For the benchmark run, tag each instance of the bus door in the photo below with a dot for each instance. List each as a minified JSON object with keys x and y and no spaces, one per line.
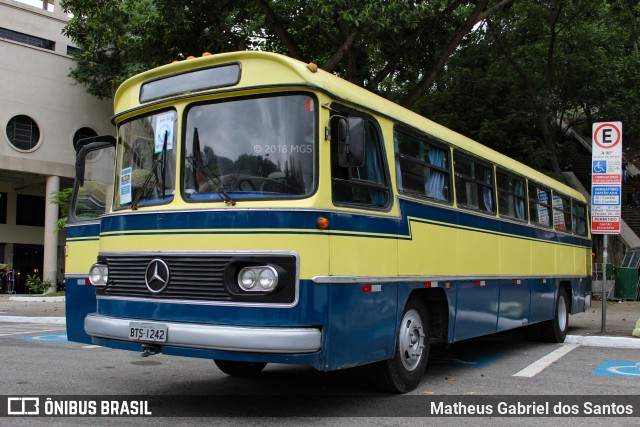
{"x":91,"y":197}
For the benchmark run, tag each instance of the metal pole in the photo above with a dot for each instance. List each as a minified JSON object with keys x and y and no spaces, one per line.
{"x":604,"y":285}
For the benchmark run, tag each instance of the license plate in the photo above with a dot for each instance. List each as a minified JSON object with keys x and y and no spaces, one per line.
{"x":142,"y":331}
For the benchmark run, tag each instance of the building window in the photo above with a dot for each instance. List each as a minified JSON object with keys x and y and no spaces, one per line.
{"x":3,"y":208}
{"x":27,"y":39}
{"x":81,"y":134}
{"x":23,"y":133}
{"x":30,"y":210}
{"x":72,"y":51}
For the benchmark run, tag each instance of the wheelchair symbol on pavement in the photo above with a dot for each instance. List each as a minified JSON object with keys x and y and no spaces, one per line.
{"x":600,"y":166}
{"x":618,"y":368}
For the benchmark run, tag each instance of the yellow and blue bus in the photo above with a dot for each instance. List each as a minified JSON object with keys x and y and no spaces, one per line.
{"x":263,"y":211}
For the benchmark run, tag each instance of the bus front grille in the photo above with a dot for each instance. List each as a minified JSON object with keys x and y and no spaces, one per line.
{"x":191,"y":277}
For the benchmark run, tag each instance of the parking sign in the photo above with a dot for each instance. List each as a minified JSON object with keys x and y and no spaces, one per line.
{"x":606,"y":177}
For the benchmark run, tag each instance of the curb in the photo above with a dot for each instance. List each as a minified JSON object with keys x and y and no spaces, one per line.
{"x":37,"y":299}
{"x":591,"y":341}
{"x":27,"y":319}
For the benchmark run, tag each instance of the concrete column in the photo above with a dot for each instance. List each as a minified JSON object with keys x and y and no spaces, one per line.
{"x":50,"y":264}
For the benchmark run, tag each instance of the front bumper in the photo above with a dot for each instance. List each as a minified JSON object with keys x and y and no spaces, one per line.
{"x":214,"y":337}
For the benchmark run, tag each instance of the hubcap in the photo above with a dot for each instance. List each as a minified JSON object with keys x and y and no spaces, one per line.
{"x":562,"y":313}
{"x":411,"y":340}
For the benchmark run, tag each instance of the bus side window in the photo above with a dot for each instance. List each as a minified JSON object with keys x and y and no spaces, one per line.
{"x":422,"y":167}
{"x":512,"y":198}
{"x":539,"y":205}
{"x":474,"y":184}
{"x":561,"y":213}
{"x":579,"y":218}
{"x":365,"y":185}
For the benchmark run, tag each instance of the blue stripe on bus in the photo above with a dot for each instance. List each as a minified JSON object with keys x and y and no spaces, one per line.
{"x":83,"y":231}
{"x":342,"y":223}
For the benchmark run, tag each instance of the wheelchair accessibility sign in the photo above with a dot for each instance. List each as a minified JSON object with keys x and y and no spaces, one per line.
{"x":618,"y":368}
{"x":599,"y":166}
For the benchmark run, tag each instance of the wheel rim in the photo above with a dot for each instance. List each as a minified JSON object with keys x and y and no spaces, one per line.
{"x":562,"y":313}
{"x":411,"y":340}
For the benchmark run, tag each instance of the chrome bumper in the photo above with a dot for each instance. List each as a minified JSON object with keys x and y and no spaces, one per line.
{"x":213,"y":337}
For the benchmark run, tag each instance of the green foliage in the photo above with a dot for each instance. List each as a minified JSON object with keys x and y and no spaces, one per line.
{"x":36,"y":285}
{"x":63,"y":199}
{"x":544,"y":61}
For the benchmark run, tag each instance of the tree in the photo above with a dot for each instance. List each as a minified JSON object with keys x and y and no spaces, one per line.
{"x":368,"y":42}
{"x":536,"y":68}
{"x":503,"y":72}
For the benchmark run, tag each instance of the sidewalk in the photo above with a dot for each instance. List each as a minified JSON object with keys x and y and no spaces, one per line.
{"x":584,"y":328}
{"x":29,"y":309}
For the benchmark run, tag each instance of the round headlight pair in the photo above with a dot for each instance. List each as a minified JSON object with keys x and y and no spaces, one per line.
{"x":262,"y":278}
{"x":99,"y":275}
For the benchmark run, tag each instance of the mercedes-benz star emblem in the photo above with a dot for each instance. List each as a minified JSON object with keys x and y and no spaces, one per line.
{"x":157,"y":276}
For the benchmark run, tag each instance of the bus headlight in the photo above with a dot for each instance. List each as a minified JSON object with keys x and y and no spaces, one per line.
{"x":263,"y":278}
{"x":99,"y":275}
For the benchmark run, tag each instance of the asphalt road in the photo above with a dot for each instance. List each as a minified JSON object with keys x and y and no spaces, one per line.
{"x":38,"y":361}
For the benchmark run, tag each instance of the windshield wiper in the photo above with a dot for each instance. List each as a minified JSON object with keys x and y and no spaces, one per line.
{"x":198,"y":166}
{"x":154,"y":172}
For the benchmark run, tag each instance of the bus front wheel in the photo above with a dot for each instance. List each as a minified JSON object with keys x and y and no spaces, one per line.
{"x":239,"y":369}
{"x":405,"y":370}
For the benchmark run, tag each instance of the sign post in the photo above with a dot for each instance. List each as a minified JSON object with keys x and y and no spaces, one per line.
{"x":606,"y":190}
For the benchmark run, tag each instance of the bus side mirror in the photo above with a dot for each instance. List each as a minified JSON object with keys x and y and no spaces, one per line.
{"x":86,"y":145}
{"x":348,"y":133}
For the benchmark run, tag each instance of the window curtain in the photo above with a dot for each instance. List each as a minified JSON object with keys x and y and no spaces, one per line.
{"x":373,"y":172}
{"x":520,"y":205}
{"x":486,"y":192}
{"x":436,"y":180}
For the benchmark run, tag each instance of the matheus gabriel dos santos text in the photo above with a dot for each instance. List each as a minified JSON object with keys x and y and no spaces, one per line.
{"x":532,"y":408}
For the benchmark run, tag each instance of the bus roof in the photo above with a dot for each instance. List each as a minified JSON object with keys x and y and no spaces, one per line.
{"x":282,"y":71}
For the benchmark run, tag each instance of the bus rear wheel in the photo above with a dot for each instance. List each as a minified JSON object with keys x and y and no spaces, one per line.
{"x":405,"y":370}
{"x":238,"y":369}
{"x":555,"y":330}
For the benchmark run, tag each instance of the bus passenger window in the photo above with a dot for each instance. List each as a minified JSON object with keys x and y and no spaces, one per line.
{"x":365,"y":185}
{"x":539,"y":206}
{"x":512,"y":201}
{"x":422,"y":167}
{"x":474,"y":184}
{"x":579,"y":218}
{"x":561,"y":213}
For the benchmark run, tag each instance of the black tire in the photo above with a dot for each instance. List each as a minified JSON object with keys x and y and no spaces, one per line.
{"x":405,"y":370}
{"x":555,"y":330}
{"x":239,"y":369}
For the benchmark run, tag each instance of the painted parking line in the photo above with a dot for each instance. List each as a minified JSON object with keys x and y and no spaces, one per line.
{"x":618,"y":368}
{"x":46,"y":338}
{"x":26,"y":332}
{"x":541,"y":364}
{"x":466,"y":359}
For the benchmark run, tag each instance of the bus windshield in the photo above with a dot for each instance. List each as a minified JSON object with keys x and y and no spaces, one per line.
{"x":250,"y":148}
{"x":146,"y":160}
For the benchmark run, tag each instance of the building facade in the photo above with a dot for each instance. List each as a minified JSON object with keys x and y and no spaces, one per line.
{"x":42,"y":114}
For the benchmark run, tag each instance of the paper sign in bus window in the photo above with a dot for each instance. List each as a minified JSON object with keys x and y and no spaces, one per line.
{"x":164,"y":128}
{"x":125,"y":186}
